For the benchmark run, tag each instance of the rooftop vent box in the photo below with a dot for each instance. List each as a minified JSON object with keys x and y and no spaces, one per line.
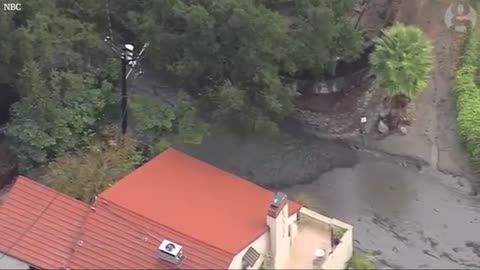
{"x":171,"y":252}
{"x":279,"y":200}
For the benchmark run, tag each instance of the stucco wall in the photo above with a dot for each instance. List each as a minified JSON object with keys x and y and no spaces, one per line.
{"x":262,"y":245}
{"x":7,"y":262}
{"x":341,"y":254}
{"x":344,"y":250}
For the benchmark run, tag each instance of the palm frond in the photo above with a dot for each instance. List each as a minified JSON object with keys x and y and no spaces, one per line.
{"x":403,"y":60}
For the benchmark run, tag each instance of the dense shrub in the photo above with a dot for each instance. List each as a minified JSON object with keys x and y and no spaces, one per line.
{"x":359,"y":262}
{"x":467,"y":95}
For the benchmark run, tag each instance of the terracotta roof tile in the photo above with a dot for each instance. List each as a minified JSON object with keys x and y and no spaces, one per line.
{"x":115,"y":238}
{"x":71,"y":234}
{"x":211,"y":213}
{"x":38,"y":225}
{"x":196,"y":199}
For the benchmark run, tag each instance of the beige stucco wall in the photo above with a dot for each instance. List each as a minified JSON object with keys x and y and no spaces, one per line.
{"x":7,"y":262}
{"x":344,"y":250}
{"x":279,"y":240}
{"x":262,"y":245}
{"x":341,"y":254}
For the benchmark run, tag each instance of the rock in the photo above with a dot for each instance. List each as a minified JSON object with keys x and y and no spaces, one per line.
{"x":383,"y":112}
{"x":382,"y":127}
{"x":403,"y":130}
{"x":410,"y":111}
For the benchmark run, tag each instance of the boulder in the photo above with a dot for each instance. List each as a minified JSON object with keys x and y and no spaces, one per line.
{"x":383,"y":113}
{"x":382,"y":127}
{"x":403,"y":130}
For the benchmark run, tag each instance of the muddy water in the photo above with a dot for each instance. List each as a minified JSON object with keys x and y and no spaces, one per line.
{"x":405,"y":217}
{"x":276,"y":162}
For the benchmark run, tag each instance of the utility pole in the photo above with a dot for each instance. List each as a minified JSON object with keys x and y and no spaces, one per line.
{"x":127,"y":60}
{"x":124,"y":97}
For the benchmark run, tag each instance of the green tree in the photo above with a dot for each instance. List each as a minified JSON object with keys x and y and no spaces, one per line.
{"x":55,"y":115}
{"x":188,"y":128}
{"x":152,"y":123}
{"x":402,"y":60}
{"x":8,"y":67}
{"x":220,"y":47}
{"x":157,"y":125}
{"x":87,"y":172}
{"x":321,"y":34}
{"x":65,"y":83}
{"x":56,"y":41}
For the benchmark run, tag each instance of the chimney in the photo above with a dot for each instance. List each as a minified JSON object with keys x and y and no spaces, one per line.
{"x":171,"y":252}
{"x":277,"y":221}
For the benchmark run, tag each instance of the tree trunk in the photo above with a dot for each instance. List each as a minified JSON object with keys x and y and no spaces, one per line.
{"x":400,"y":101}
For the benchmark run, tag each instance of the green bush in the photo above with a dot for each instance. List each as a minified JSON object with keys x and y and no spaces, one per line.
{"x":338,"y":232}
{"x":358,"y":262}
{"x":468,"y":97}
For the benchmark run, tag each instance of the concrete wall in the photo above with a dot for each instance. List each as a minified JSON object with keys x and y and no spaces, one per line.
{"x":292,"y":227}
{"x":341,"y":254}
{"x":344,"y":250}
{"x":7,"y":262}
{"x":279,"y":239}
{"x":262,"y":245}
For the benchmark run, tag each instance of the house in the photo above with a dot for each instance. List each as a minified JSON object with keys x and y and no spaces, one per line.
{"x":173,"y":212}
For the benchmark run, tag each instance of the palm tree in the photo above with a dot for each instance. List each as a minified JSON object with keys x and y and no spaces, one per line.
{"x":402,"y":60}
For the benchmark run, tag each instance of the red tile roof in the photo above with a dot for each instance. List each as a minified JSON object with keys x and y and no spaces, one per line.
{"x":69,"y":233}
{"x":39,"y":225}
{"x":196,"y":199}
{"x":115,"y":238}
{"x":211,"y":213}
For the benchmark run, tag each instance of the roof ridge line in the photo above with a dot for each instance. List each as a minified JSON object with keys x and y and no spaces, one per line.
{"x":108,"y":202}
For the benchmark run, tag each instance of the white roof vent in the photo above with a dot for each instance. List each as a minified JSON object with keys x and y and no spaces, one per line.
{"x":171,"y":252}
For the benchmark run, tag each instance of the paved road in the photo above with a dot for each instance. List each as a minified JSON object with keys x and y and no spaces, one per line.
{"x":405,"y":215}
{"x":405,"y":218}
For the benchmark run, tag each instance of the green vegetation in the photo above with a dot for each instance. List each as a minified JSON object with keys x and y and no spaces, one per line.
{"x":402,"y":60}
{"x":55,"y":115}
{"x":158,"y":125}
{"x":359,"y":262}
{"x":468,"y":97}
{"x":63,"y":74}
{"x":231,"y":53}
{"x":230,"y":56}
{"x":86,"y":173}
